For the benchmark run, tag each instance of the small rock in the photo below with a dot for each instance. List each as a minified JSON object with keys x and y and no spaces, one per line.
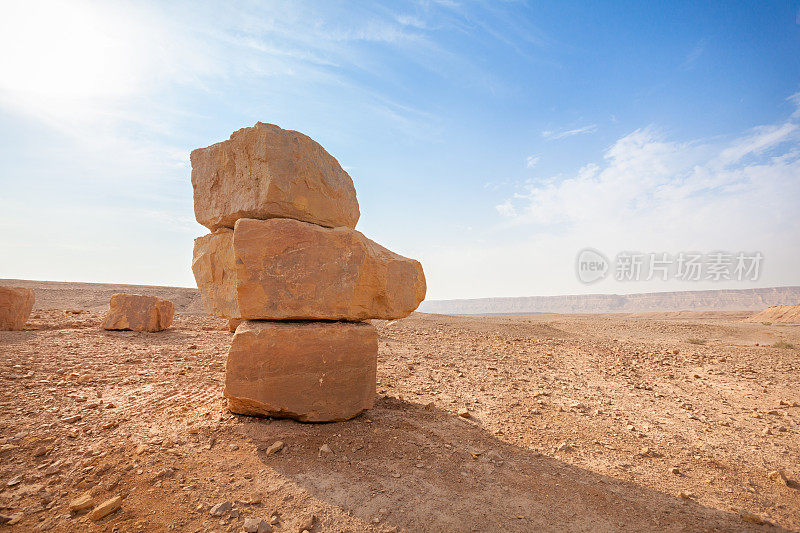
{"x":779,"y":476}
{"x":16,"y":480}
{"x":564,"y":447}
{"x":256,"y":525}
{"x":686,"y":495}
{"x":274,"y":519}
{"x":324,"y":450}
{"x":12,"y":519}
{"x":747,"y":516}
{"x":275,"y":447}
{"x":105,"y":508}
{"x":82,"y":502}
{"x":675,"y":471}
{"x":71,"y":419}
{"x":221,"y":508}
{"x":766,"y":431}
{"x":307,"y":524}
{"x":463,"y":413}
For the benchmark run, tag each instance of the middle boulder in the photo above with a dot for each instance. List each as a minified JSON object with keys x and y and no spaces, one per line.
{"x":282,"y":269}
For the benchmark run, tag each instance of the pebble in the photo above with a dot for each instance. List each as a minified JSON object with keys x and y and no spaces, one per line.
{"x":71,"y":419}
{"x":12,"y":519}
{"x":256,"y":525}
{"x":307,"y":524}
{"x":747,"y":516}
{"x":105,"y":508}
{"x":463,"y":413}
{"x":82,"y":502}
{"x":275,"y":447}
{"x":779,"y":476}
{"x":324,"y":450}
{"x":221,"y":508}
{"x":16,"y":480}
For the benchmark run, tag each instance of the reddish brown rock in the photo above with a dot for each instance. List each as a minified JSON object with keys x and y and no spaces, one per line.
{"x":15,"y":307}
{"x":309,"y":371}
{"x":233,"y":323}
{"x":266,"y":172}
{"x":214,"y":270}
{"x":138,"y":313}
{"x":285,"y":269}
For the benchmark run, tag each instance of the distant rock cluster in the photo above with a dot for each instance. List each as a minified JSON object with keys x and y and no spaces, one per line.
{"x":15,"y":307}
{"x":286,"y":267}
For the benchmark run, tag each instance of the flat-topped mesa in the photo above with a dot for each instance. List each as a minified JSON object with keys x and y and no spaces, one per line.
{"x":283,"y":269}
{"x":267,"y":172}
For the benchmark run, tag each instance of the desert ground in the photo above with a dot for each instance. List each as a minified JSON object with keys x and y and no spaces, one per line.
{"x":659,"y":422}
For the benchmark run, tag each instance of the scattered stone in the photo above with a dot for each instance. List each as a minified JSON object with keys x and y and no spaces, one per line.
{"x":105,"y":508}
{"x":309,"y":371}
{"x":267,"y":172}
{"x":221,"y":508}
{"x":11,"y":520}
{"x":71,"y":419}
{"x":779,"y":476}
{"x":275,"y":447}
{"x":307,"y":523}
{"x":564,"y":447}
{"x":675,"y":470}
{"x":82,"y":502}
{"x":747,"y":516}
{"x":138,"y":313}
{"x":686,"y":495}
{"x":15,"y":307}
{"x":256,"y":525}
{"x":464,"y":413}
{"x":324,"y":450}
{"x":16,"y":480}
{"x":335,"y":274}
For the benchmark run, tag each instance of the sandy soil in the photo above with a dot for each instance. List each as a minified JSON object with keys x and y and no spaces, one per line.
{"x":669,"y":422}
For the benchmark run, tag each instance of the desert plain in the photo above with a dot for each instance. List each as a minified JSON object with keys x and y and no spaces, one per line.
{"x":638,"y":422}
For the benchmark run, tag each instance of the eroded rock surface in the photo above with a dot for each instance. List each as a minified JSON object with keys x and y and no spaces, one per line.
{"x":282,"y":269}
{"x":15,"y":307}
{"x":138,"y":313}
{"x":265,"y":172}
{"x":309,"y":371}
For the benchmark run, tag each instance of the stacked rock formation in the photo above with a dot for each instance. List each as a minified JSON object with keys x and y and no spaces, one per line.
{"x":285,"y":263}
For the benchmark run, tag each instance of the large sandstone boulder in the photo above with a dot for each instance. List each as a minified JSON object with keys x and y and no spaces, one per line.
{"x":309,"y":371}
{"x":15,"y":307}
{"x":283,"y":269}
{"x":266,"y":172}
{"x":138,"y":313}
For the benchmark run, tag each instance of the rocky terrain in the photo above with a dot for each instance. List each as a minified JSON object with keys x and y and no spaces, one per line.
{"x":661,"y":422}
{"x":787,"y":314}
{"x":714,"y":300}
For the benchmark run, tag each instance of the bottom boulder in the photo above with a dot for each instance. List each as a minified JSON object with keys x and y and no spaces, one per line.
{"x":309,"y":371}
{"x":138,"y":313}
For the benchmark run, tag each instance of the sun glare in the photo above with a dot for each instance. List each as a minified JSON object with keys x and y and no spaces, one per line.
{"x":69,"y":50}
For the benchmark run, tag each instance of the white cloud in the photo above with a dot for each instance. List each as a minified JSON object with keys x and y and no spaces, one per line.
{"x":650,"y":194}
{"x":532,"y":160}
{"x":563,"y":134}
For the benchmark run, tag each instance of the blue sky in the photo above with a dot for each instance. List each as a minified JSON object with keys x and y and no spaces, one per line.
{"x":490,"y":140}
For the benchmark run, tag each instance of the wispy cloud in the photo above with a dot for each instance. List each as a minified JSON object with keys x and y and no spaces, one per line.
{"x":532,"y":160}
{"x":563,"y":134}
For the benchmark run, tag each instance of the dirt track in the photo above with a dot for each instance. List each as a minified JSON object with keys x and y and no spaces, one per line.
{"x":576,"y":423}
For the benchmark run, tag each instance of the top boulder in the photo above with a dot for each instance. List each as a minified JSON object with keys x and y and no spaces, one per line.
{"x":267,"y":172}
